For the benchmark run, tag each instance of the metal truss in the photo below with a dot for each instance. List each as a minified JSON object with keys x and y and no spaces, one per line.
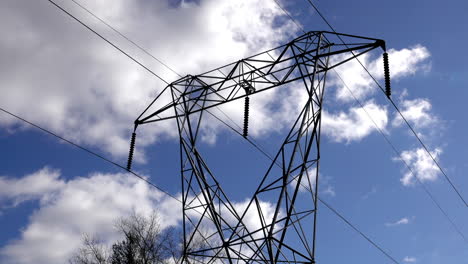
{"x":215,"y":229}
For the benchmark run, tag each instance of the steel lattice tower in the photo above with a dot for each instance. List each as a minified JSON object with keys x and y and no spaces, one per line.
{"x":215,"y":230}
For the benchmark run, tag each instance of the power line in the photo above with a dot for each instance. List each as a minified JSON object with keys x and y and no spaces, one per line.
{"x":323,"y":202}
{"x":398,"y":110}
{"x":106,"y":40}
{"x":398,"y":153}
{"x":251,"y":141}
{"x":167,"y":193}
{"x":426,"y":190}
{"x":148,"y":53}
{"x":125,"y":37}
{"x":86,"y":150}
{"x":290,"y":17}
{"x":334,"y":211}
{"x":358,"y":231}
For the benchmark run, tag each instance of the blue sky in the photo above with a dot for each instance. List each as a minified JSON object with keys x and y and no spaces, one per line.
{"x":57,"y":74}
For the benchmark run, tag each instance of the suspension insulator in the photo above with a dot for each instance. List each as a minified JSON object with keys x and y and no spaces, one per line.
{"x":246,"y":117}
{"x":388,"y":90}
{"x":130,"y":154}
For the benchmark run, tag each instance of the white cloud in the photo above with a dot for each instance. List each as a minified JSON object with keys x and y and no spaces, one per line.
{"x":91,"y":205}
{"x":83,"y":205}
{"x":403,"y":62}
{"x":418,"y":112}
{"x":422,"y":165}
{"x":32,"y":186}
{"x":355,"y":124}
{"x":409,"y":259}
{"x":59,"y":75}
{"x":402,"y":221}
{"x":355,"y":77}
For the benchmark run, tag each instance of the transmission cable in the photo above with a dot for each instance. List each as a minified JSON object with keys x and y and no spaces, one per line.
{"x":323,"y":202}
{"x":124,"y":36}
{"x":113,"y":45}
{"x":397,"y":109}
{"x":106,"y":40}
{"x":290,"y":17}
{"x":398,"y":153}
{"x":160,"y":189}
{"x":136,"y":61}
{"x":358,"y":231}
{"x":426,"y":190}
{"x":251,"y":140}
{"x":86,"y":150}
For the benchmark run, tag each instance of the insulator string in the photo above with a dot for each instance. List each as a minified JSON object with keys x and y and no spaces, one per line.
{"x":388,"y":90}
{"x":130,"y":154}
{"x":246,"y":117}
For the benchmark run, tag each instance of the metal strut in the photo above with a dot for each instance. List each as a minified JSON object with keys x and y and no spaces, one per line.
{"x":388,"y":90}
{"x":282,"y":236}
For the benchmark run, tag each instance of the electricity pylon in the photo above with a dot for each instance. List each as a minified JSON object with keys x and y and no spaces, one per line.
{"x":215,"y":230}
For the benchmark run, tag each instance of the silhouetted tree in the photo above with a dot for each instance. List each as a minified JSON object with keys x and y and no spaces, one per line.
{"x":144,"y":242}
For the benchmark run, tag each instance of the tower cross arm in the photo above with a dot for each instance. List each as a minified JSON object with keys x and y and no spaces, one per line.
{"x":258,"y":73}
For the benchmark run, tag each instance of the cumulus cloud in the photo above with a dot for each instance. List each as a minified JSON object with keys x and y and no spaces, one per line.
{"x":418,"y":112}
{"x":32,"y":186}
{"x":56,"y":73}
{"x":403,"y":62}
{"x":91,"y":93}
{"x":402,"y":221}
{"x":422,"y":165}
{"x":354,"y":124}
{"x":68,"y":209}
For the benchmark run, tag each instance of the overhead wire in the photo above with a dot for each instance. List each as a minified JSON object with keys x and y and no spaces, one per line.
{"x":251,"y":141}
{"x":169,"y":194}
{"x":86,"y":150}
{"x":122,"y":167}
{"x":290,"y":16}
{"x":98,"y":156}
{"x":108,"y":41}
{"x":323,"y":202}
{"x":426,"y":190}
{"x":125,"y":37}
{"x":426,"y":149}
{"x":398,"y":153}
{"x":358,"y":231}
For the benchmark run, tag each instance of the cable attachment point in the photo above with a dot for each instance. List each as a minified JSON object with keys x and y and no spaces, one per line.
{"x":248,"y":90}
{"x":388,"y":90}
{"x":130,"y":154}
